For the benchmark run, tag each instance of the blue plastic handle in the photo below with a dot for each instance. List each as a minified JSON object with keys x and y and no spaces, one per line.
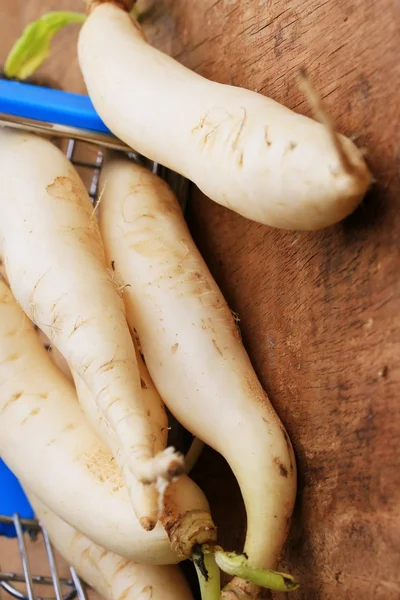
{"x":12,"y":500}
{"x":45,"y":104}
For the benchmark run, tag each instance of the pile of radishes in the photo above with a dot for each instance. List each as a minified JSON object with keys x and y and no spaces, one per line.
{"x":135,"y":320}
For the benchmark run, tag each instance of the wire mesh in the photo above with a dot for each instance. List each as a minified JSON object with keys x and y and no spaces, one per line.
{"x":60,"y":588}
{"x":88,"y":160}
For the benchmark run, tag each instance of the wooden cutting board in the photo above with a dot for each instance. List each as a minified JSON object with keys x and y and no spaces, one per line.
{"x":320,"y":312}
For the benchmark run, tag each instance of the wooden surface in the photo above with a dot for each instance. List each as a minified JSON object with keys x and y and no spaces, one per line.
{"x":320,"y":312}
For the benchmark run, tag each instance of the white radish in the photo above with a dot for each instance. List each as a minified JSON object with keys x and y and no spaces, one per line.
{"x":243,"y":150}
{"x":54,"y":260}
{"x":183,"y":492}
{"x":141,"y":495}
{"x":193,"y":349}
{"x":144,"y":497}
{"x":112,"y":576}
{"x":158,"y":415}
{"x":46,"y":440}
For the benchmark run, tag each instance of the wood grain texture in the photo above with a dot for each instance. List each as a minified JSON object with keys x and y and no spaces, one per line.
{"x":319,"y":311}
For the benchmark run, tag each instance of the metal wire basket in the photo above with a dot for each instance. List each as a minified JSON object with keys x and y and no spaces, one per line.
{"x":61,"y":588}
{"x":84,"y":147}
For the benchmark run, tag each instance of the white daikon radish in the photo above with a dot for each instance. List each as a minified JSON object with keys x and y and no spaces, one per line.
{"x":113,"y":577}
{"x":193,"y":349}
{"x":243,"y":150}
{"x":54,"y":260}
{"x":46,"y":440}
{"x":180,"y":507}
{"x":144,"y":497}
{"x":140,"y":494}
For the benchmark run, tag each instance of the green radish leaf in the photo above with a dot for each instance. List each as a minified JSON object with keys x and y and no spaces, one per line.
{"x":33,"y":47}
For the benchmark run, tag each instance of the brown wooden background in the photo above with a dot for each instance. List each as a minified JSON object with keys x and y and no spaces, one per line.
{"x":320,"y":312}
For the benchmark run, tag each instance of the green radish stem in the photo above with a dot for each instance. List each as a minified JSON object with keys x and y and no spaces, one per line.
{"x":207,"y":559}
{"x":207,"y":572}
{"x":238,"y":566}
{"x":33,"y":46}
